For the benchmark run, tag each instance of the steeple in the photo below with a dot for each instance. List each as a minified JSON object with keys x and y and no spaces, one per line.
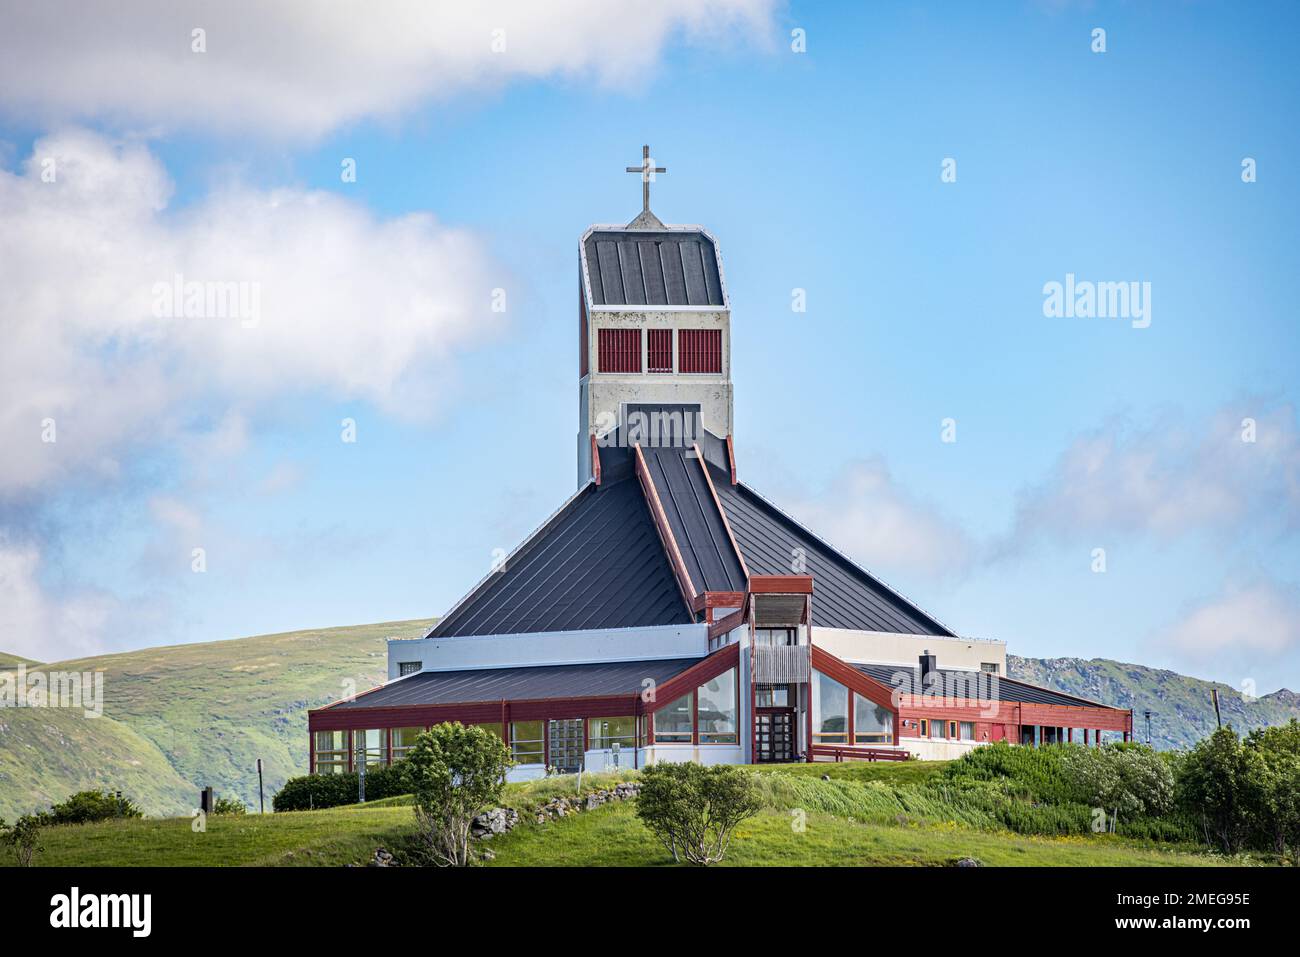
{"x":654,"y":326}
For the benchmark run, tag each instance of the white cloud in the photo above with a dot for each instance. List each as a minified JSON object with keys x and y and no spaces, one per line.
{"x":867,"y":515}
{"x":298,"y":67}
{"x":349,"y":304}
{"x":1257,"y":617}
{"x":1170,"y":479}
{"x":35,"y":626}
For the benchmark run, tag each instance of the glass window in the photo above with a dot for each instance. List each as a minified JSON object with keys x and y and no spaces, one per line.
{"x":989,"y":667}
{"x":495,"y":728}
{"x":604,"y":733}
{"x":331,"y":752}
{"x":967,"y":730}
{"x":872,"y":723}
{"x":938,"y":729}
{"x":527,"y":742}
{"x":774,"y":636}
{"x":405,"y":668}
{"x":371,"y":746}
{"x":718,"y":709}
{"x":676,"y":722}
{"x":404,"y":740}
{"x":830,"y":708}
{"x":772,"y":696}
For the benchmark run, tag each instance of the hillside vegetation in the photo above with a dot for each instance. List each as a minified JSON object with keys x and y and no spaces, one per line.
{"x":179,"y":717}
{"x":1182,"y":709}
{"x":865,"y":815}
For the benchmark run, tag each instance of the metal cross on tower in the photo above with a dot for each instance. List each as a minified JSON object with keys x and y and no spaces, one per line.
{"x":647,"y":175}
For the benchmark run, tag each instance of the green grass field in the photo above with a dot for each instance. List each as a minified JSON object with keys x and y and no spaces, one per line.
{"x":610,"y":835}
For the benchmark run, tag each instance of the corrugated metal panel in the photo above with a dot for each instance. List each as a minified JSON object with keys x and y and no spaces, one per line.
{"x":597,"y":564}
{"x":677,"y":268}
{"x":517,"y":684}
{"x":1007,"y":689}
{"x":696,"y":523}
{"x":844,"y":596}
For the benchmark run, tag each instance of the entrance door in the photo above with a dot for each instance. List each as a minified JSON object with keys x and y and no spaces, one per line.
{"x":566,"y":744}
{"x":774,"y":734}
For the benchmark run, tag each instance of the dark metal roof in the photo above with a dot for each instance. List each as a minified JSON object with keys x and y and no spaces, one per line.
{"x":844,"y":595}
{"x":658,"y":268}
{"x":1008,"y":689}
{"x":696,"y":522}
{"x":597,"y":563}
{"x":520,"y":684}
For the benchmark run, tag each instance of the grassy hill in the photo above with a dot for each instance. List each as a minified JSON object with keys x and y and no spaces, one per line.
{"x":182,"y":716}
{"x":841,"y":829}
{"x":1181,"y":707}
{"x":9,"y":661}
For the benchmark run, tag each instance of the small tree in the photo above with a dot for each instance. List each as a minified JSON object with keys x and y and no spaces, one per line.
{"x":22,"y":838}
{"x":693,"y":810}
{"x":454,"y":772}
{"x":1218,"y":783}
{"x":229,"y":805}
{"x":1277,"y":786}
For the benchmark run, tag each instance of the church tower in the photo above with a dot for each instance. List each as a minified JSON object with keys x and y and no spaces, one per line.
{"x":654,"y":327}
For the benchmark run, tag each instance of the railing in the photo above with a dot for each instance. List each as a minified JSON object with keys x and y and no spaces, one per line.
{"x":782,"y":664}
{"x":846,"y":753}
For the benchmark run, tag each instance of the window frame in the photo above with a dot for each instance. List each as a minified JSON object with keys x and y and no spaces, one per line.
{"x":661,"y":334}
{"x":691,"y":353}
{"x":620,"y":350}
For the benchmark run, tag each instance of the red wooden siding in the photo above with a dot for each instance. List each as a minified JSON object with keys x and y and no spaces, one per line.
{"x":660,"y":346}
{"x":620,"y":350}
{"x":699,"y":350}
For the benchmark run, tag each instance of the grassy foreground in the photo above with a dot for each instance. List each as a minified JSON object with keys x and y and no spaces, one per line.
{"x":611,"y":835}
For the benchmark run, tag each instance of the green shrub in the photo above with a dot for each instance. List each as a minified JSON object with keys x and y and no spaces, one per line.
{"x":227,"y":805}
{"x":454,"y":772}
{"x":85,"y":806}
{"x":23,"y":838}
{"x":315,"y":791}
{"x":693,"y":810}
{"x":1218,"y":786}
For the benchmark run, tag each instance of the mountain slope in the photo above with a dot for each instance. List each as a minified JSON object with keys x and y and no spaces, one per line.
{"x":1182,"y":711}
{"x":207,"y":710}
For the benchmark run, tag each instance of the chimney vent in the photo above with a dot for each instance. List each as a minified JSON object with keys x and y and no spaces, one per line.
{"x":928,"y":665}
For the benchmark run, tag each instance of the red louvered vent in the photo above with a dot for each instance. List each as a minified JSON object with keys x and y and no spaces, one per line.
{"x":620,"y":350}
{"x":660,"y":347}
{"x":700,"y":350}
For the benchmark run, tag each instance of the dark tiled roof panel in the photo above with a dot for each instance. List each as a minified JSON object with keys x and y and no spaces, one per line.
{"x":844,"y":595}
{"x":653,"y":268}
{"x":520,"y":684}
{"x":1007,"y":689}
{"x":696,"y":523}
{"x":597,"y":564}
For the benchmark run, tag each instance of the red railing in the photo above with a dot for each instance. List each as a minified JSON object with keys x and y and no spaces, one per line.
{"x":846,"y":753}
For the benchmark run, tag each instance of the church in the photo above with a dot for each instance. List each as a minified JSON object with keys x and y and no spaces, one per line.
{"x":669,"y":612}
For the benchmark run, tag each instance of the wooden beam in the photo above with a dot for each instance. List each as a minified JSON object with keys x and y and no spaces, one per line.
{"x":595,"y":459}
{"x":731,"y":458}
{"x":781,"y":584}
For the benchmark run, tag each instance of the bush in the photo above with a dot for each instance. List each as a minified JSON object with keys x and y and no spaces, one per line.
{"x":454,"y":773}
{"x":1218,"y":786}
{"x":86,"y":806}
{"x":316,"y":791}
{"x":22,"y":838}
{"x":693,"y":810}
{"x":229,"y":806}
{"x":1276,"y":790}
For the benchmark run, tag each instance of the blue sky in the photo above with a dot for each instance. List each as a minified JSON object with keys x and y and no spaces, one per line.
{"x":817,"y":170}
